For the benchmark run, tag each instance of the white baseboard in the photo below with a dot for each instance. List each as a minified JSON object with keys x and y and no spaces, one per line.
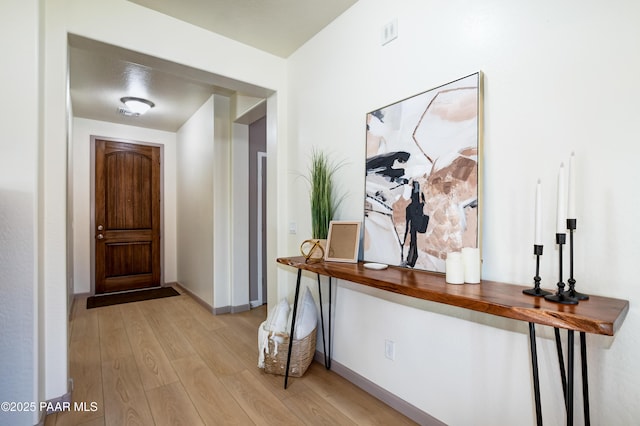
{"x":215,"y":311}
{"x":398,"y":404}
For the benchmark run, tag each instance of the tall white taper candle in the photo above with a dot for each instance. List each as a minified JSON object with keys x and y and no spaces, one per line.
{"x":571,"y":210}
{"x":561,"y":213}
{"x":538,"y":224}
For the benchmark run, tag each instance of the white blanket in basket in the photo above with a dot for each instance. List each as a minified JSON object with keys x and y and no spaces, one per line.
{"x":279,"y":321}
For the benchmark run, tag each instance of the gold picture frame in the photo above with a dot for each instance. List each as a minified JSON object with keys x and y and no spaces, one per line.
{"x":343,"y":241}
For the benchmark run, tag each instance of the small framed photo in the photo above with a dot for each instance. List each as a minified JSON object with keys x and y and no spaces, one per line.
{"x":343,"y":241}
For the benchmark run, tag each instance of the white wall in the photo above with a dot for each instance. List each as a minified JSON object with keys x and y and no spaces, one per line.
{"x":559,"y":77}
{"x":83,"y":129}
{"x":195,"y":165}
{"x":239,"y":216}
{"x":52,"y":208}
{"x":212,"y":198}
{"x":222,"y":254}
{"x":19,"y":121}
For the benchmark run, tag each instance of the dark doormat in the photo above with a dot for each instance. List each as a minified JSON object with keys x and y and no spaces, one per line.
{"x":132,"y":296}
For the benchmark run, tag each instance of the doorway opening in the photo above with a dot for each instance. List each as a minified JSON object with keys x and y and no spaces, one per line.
{"x":255,"y":98}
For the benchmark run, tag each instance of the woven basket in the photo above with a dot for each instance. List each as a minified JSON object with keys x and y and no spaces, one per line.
{"x":302,"y":355}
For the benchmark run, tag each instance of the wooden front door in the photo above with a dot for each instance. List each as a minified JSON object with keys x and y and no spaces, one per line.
{"x":127,"y":216}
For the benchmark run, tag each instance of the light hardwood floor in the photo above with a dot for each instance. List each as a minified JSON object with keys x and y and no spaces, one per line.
{"x":170,"y":362}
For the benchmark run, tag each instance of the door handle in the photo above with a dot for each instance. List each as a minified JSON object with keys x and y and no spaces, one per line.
{"x":100,"y":236}
{"x":100,"y":227}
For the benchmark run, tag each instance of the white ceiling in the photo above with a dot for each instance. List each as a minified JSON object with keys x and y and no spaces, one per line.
{"x":100,"y":74}
{"x":275,"y":26}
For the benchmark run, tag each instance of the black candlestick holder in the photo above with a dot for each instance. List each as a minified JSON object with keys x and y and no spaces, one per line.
{"x":536,"y":290}
{"x":571,"y":226}
{"x":561,"y":296}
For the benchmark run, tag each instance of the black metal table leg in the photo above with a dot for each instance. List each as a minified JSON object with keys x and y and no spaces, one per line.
{"x":329,"y":367}
{"x":585,"y":379}
{"x":570,"y":351}
{"x":534,"y":369}
{"x":567,"y":382}
{"x":563,"y":375}
{"x":293,"y":325}
{"x":324,"y":342}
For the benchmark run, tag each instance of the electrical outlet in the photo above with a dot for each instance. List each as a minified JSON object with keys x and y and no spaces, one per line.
{"x":389,"y":32}
{"x":390,"y":349}
{"x":293,"y":228}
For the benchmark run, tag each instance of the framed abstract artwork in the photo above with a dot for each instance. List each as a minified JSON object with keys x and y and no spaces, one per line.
{"x":422,"y":183}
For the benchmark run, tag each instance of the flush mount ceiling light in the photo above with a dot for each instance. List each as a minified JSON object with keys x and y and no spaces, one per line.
{"x":137,"y":106}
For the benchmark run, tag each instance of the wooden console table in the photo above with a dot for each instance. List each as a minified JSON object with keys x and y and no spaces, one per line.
{"x":598,"y":315}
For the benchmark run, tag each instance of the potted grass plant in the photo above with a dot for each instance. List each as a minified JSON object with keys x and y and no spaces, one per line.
{"x":322,"y":196}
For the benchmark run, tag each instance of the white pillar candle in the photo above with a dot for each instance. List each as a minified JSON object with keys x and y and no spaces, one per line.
{"x":454,"y":268}
{"x":561,"y":213}
{"x":571,"y":210}
{"x":537,"y":240}
{"x":471,"y":260}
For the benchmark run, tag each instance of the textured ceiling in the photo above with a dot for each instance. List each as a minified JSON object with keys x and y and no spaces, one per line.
{"x":100,"y":74}
{"x":98,"y":81}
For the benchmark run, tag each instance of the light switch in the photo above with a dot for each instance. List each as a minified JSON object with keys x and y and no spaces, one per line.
{"x":389,"y":32}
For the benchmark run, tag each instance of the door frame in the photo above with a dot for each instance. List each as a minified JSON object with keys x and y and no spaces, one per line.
{"x":92,"y":213}
{"x":262,"y":160}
